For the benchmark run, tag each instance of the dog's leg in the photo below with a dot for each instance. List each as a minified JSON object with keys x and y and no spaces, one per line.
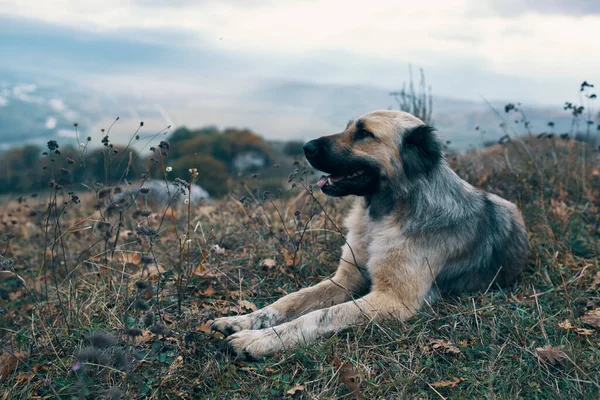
{"x":347,"y":282}
{"x":397,"y":295}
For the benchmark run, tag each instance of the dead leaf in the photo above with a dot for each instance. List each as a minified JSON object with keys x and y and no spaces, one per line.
{"x":150,"y":272}
{"x":168,"y":319}
{"x":592,"y":318}
{"x":205,"y":327}
{"x":9,"y":362}
{"x":130,"y":257}
{"x":248,"y":305}
{"x":288,"y":257}
{"x":199,"y":268}
{"x":349,"y":377}
{"x":566,"y":324}
{"x":15,"y":295}
{"x":560,"y":210}
{"x":146,"y":337}
{"x":297,"y":388}
{"x":268,"y":262}
{"x":209,"y":291}
{"x":451,"y":383}
{"x":595,"y":281}
{"x":442,"y":346}
{"x":24,"y":377}
{"x":552,"y":354}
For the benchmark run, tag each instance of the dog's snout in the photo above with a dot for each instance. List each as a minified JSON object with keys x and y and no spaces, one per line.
{"x":311,"y":148}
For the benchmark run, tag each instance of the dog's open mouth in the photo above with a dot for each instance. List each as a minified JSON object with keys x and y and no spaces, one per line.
{"x":330,"y":180}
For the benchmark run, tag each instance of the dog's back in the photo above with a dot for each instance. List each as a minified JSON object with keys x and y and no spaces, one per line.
{"x":495,"y":249}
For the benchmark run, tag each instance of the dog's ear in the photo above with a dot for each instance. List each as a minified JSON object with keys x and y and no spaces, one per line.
{"x":420,"y":151}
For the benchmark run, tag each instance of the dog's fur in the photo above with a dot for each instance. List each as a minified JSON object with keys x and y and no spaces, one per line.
{"x":415,"y":230}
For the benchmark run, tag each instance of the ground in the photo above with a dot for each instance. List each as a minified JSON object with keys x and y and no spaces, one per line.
{"x":118,"y":305}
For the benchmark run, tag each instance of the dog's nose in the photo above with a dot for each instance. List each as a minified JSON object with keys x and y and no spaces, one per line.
{"x":310,"y":148}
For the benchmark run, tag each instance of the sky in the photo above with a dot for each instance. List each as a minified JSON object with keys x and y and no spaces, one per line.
{"x":540,"y":48}
{"x":207,"y":51}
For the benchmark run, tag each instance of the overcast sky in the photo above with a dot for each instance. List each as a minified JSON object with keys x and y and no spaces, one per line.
{"x":536,"y":51}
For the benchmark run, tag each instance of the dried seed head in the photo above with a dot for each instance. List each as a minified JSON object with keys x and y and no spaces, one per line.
{"x":141,"y":285}
{"x":102,"y":340}
{"x":87,"y":354}
{"x":114,"y":394}
{"x":141,"y":304}
{"x":148,"y":318}
{"x":134,"y":332}
{"x":159,"y":328}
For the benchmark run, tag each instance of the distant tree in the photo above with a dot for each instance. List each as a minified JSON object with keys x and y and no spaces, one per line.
{"x":207,"y":130}
{"x":212,"y":174}
{"x":20,"y":169}
{"x":181,"y":134}
{"x":293,"y":148}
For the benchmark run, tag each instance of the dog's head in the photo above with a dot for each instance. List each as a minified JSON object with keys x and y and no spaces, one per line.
{"x":377,"y":149}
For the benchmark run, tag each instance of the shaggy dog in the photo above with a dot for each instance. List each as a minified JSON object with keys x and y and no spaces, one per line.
{"x":416,"y":231}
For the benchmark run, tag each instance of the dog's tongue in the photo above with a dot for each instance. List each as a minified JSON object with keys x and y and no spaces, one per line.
{"x":322,"y":181}
{"x":324,"y":178}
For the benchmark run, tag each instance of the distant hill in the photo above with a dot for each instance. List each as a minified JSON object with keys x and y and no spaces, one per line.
{"x":39,"y":108}
{"x":35,"y":109}
{"x":455,"y":119}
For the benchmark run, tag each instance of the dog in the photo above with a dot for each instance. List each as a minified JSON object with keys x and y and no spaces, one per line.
{"x":416,"y":231}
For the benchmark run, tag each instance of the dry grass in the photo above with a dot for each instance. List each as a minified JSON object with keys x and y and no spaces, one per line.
{"x":118,"y":305}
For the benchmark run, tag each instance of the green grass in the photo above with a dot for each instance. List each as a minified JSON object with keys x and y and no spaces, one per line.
{"x":66,"y":282}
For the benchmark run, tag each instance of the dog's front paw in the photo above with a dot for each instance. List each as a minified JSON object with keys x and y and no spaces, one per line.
{"x":264,"y":318}
{"x":231,"y":325}
{"x":253,"y":345}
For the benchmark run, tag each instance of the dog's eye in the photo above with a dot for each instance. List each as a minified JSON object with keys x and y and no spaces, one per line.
{"x":363,"y":134}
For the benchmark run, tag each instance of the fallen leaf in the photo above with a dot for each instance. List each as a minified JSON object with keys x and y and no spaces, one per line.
{"x":552,"y":354}
{"x":209,"y":291}
{"x":595,"y":281}
{"x":248,"y":305}
{"x":442,"y":346}
{"x":150,"y":272}
{"x":199,"y":269}
{"x":288,"y":257}
{"x":348,"y":376}
{"x":268,"y":262}
{"x":24,"y":377}
{"x":9,"y":362}
{"x":297,"y":388}
{"x":592,"y":318}
{"x":130,"y":257}
{"x":168,"y":319}
{"x":146,"y":337}
{"x":560,"y":210}
{"x":566,"y":324}
{"x":205,"y":327}
{"x":451,"y":383}
{"x":15,"y":295}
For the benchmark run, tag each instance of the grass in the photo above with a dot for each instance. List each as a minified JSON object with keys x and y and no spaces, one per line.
{"x":99,"y":305}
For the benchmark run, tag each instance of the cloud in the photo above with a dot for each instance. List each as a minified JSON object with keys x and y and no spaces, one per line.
{"x":50,"y":123}
{"x":544,"y":7}
{"x":465,"y":46}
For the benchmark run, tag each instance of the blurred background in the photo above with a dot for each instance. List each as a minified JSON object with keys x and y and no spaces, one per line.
{"x":286,"y":70}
